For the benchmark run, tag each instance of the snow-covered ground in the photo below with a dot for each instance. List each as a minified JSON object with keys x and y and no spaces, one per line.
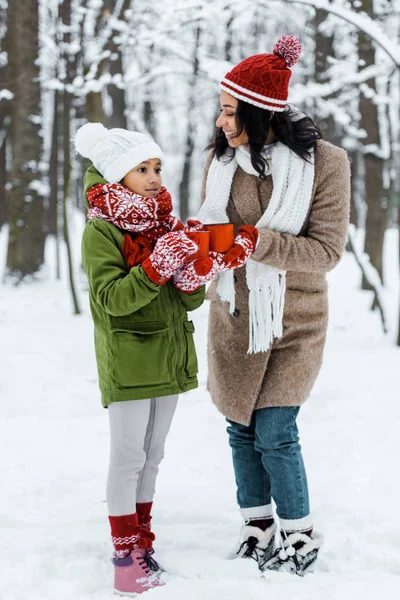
{"x":54,"y":450}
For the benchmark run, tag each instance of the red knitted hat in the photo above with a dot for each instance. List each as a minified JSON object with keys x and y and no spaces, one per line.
{"x":263,"y":79}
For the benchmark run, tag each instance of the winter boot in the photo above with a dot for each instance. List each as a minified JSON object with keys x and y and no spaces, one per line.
{"x":296,"y":555}
{"x":257,"y":544}
{"x":134,"y":574}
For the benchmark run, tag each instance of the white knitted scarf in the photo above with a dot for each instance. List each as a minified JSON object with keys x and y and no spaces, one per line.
{"x":293,"y":180}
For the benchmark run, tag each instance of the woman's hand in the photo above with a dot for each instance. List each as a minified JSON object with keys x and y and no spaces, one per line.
{"x":243,"y":247}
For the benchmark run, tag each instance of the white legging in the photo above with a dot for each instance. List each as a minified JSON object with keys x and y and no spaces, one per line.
{"x":138,"y":430}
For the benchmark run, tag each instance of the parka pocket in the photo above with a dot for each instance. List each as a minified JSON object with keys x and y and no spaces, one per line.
{"x":141,"y":355}
{"x":191,"y":358}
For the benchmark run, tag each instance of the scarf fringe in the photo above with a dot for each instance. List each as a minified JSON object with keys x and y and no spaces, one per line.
{"x":226,"y":289}
{"x":266,"y":305}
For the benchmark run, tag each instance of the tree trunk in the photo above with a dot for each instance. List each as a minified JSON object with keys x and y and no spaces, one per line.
{"x":3,"y":179}
{"x":324,"y":49}
{"x":354,"y":162}
{"x":377,"y":204}
{"x":117,"y":118}
{"x":4,"y":122}
{"x":52,"y":210}
{"x":94,"y":102}
{"x":65,"y":15}
{"x":26,"y":236}
{"x":184,"y":187}
{"x":148,"y":117}
{"x":398,"y":246}
{"x":94,"y":108}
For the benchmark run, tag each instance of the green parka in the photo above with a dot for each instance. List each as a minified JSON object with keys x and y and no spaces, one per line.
{"x":143,"y":338}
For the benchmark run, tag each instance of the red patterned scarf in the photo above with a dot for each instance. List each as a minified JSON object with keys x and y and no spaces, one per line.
{"x":144,"y":219}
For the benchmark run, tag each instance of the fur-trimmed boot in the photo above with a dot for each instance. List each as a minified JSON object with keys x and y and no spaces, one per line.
{"x":297,"y":554}
{"x":257,"y":544}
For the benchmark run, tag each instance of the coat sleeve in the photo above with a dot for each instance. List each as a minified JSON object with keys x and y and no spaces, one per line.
{"x":192,"y":300}
{"x":321,"y":247}
{"x":117,"y":290}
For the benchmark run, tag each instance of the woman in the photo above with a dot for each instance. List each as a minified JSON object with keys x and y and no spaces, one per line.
{"x":269,"y":169}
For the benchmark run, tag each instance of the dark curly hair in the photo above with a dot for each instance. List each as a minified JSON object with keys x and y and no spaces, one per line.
{"x":299,"y":134}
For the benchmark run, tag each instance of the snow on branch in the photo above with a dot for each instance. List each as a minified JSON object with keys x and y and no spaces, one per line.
{"x":300,"y":92}
{"x":370,"y":274}
{"x":6,"y":95}
{"x":361,"y":21}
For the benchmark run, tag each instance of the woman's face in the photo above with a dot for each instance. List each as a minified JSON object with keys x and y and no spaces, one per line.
{"x":227,"y":121}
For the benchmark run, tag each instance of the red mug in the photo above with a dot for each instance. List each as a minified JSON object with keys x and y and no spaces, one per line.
{"x":202,"y":238}
{"x":222,"y":236}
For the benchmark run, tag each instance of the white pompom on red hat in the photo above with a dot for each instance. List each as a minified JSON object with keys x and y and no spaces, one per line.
{"x":115,"y":152}
{"x":263,"y":79}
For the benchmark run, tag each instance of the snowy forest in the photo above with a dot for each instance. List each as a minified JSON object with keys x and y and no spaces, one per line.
{"x":156,"y":69}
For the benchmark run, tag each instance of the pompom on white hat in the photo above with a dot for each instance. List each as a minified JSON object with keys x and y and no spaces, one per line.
{"x":114,"y":152}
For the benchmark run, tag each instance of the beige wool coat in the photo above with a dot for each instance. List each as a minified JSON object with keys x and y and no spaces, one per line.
{"x":239,"y":382}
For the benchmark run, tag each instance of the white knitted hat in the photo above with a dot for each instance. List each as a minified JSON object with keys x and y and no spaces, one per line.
{"x":114,"y":152}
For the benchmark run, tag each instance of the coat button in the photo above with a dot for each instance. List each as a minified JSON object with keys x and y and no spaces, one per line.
{"x":142,"y":341}
{"x":236,"y":312}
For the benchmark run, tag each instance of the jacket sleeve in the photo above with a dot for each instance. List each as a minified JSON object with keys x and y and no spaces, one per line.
{"x":192,"y":300}
{"x":117,"y":290}
{"x":321,"y":247}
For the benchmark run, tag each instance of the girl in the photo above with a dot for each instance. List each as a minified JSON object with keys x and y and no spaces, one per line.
{"x":140,"y":289}
{"x":270,"y":169}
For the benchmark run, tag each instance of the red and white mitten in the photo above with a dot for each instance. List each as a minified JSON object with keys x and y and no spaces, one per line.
{"x":243,"y":247}
{"x":192,"y":276}
{"x":170,"y":252}
{"x":194,"y":225}
{"x":172,"y":223}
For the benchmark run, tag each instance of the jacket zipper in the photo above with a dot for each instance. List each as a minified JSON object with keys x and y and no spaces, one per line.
{"x":176,"y":336}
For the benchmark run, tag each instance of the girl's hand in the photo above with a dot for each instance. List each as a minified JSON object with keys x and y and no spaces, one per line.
{"x":192,"y":276}
{"x":170,"y":252}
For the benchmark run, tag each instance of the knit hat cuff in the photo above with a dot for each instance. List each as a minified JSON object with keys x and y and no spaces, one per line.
{"x":229,"y":84}
{"x":113,"y":172}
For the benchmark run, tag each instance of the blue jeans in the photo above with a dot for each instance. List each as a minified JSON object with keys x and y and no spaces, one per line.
{"x":268,"y":462}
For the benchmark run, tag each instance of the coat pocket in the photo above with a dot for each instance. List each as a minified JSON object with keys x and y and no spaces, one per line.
{"x":141,"y":355}
{"x":191,"y":366}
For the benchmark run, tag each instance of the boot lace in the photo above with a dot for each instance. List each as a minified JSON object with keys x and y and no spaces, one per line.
{"x":150,"y":561}
{"x":248,"y":548}
{"x":285,"y":552}
{"x":142,"y":562}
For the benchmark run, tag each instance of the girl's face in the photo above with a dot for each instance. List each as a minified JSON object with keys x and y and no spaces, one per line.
{"x":227,"y":121}
{"x":145,"y":179}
